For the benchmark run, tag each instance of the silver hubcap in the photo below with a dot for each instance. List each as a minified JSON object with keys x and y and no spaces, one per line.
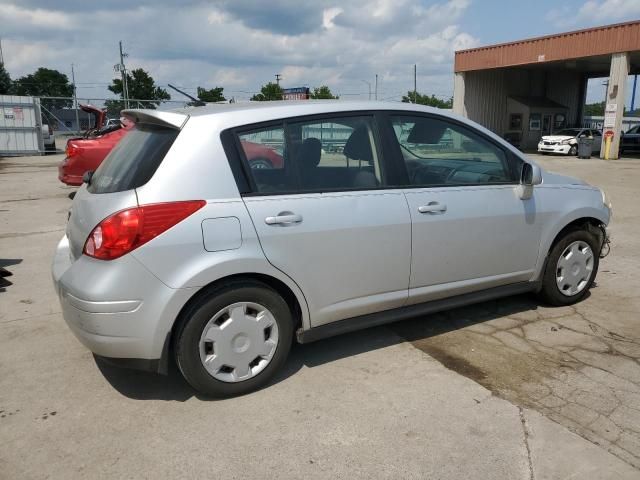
{"x":574,"y":269}
{"x":238,"y":342}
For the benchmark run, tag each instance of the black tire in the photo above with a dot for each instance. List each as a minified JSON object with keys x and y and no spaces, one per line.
{"x":260,"y":163}
{"x":573,"y":151}
{"x":197,"y":316}
{"x":550,"y":293}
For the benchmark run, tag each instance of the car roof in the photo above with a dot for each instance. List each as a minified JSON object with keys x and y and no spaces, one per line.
{"x":294,"y":106}
{"x":233,"y":114}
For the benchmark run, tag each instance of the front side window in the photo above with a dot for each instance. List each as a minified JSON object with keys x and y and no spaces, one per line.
{"x":437,"y":152}
{"x":317,"y":155}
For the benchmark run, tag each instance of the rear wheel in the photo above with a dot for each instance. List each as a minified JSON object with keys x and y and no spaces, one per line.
{"x":571,"y":268}
{"x":234,"y":339}
{"x":260,"y":163}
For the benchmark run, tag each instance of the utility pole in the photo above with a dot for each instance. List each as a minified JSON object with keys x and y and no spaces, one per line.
{"x":376,"y":86}
{"x":278,"y":77}
{"x":123,"y":72}
{"x":415,"y":83}
{"x":75,"y":97}
{"x":1,"y":55}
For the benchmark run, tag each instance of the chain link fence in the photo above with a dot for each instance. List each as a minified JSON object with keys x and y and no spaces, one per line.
{"x":60,"y":114}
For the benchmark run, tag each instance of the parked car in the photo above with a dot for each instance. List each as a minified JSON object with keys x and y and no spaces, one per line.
{"x":566,"y":141}
{"x":630,"y":140}
{"x":85,"y":154}
{"x":48,"y":137}
{"x":176,"y":249}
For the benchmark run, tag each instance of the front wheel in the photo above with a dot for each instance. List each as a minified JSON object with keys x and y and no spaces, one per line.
{"x":571,"y":268}
{"x":573,"y":151}
{"x":234,"y":339}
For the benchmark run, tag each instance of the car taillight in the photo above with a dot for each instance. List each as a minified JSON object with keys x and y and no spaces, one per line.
{"x":50,"y":130}
{"x":126,"y":230}
{"x":71,"y":150}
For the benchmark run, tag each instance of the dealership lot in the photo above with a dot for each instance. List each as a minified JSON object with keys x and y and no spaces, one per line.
{"x":497,"y":390}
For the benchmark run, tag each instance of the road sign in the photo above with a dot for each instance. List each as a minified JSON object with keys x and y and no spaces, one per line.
{"x":298,"y":93}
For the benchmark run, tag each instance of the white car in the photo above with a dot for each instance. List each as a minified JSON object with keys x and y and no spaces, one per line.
{"x":566,"y":141}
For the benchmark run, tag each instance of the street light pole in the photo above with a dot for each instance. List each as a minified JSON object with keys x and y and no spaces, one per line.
{"x":376,"y":86}
{"x":415,"y":83}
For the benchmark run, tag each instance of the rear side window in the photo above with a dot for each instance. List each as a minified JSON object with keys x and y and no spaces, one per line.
{"x":134,"y":160}
{"x":317,"y":155}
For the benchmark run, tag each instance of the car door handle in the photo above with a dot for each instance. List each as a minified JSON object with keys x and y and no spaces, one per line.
{"x":283,"y":219}
{"x":433,"y":207}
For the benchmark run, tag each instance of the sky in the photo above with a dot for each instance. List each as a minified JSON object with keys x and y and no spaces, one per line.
{"x":241,"y":44}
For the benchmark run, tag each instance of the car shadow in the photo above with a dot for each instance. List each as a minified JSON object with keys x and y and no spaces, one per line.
{"x":139,"y":385}
{"x":4,"y":273}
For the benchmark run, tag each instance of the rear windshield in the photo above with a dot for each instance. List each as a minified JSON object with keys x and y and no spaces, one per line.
{"x":134,"y":159}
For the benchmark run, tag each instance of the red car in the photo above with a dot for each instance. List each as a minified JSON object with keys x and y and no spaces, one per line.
{"x":84,"y":154}
{"x":261,"y":156}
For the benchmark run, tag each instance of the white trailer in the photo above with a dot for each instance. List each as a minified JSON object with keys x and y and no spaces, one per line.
{"x":20,"y":126}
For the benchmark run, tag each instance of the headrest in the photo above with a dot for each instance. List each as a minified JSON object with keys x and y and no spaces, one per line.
{"x":358,"y":146}
{"x":310,"y":152}
{"x":427,"y":130}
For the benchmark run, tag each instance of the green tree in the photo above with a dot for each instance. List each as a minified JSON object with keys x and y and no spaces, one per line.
{"x":270,"y":91}
{"x":45,"y":82}
{"x":140,"y":86}
{"x":323,"y":93}
{"x":594,"y":109}
{"x":5,"y":80}
{"x":213,"y":95}
{"x":431,"y":101}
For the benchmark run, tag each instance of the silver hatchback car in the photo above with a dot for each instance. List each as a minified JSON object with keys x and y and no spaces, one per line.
{"x":216,"y":235}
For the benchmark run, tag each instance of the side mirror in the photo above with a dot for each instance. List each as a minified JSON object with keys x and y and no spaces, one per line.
{"x":529,"y":176}
{"x":86,"y":178}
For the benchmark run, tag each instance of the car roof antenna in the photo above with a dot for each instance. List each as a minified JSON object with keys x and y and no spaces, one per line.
{"x":194,"y":101}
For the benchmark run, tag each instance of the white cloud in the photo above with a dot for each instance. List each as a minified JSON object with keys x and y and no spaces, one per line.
{"x":229,"y":44}
{"x":38,"y":17}
{"x":595,"y":12}
{"x":328,"y":15}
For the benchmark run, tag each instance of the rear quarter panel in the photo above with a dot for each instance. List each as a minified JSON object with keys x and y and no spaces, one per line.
{"x":196,"y":168}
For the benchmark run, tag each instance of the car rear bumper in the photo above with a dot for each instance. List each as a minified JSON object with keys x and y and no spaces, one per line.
{"x":117,"y":309}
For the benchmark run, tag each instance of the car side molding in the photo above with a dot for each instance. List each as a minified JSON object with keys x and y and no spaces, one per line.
{"x":404,"y":313}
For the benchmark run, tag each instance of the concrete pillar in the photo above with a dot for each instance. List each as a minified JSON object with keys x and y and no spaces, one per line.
{"x":614,"y":107}
{"x":458,"y":94}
